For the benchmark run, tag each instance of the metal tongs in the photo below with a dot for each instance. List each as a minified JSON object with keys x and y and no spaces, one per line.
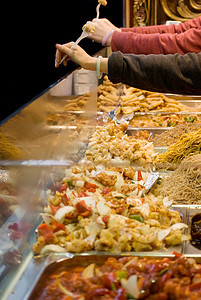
{"x":81,"y":37}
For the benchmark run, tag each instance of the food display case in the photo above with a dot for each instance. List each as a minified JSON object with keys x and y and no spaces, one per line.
{"x":30,"y":150}
{"x":62,"y":166}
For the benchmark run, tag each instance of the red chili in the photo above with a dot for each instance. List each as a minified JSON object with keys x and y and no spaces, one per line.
{"x":96,"y":292}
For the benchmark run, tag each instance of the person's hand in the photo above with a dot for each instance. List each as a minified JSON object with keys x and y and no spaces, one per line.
{"x":102,"y":27}
{"x":77,"y":55}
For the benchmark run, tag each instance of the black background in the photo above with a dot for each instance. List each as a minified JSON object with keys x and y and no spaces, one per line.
{"x":29,"y":32}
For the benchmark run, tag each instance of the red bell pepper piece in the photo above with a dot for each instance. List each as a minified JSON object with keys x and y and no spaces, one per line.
{"x":83,"y":209}
{"x":90,"y":187}
{"x":57,"y":226}
{"x":54,"y":208}
{"x":46,"y":232}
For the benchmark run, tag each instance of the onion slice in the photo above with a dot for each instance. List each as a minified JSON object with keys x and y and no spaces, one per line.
{"x":179,"y":226}
{"x":63,"y":289}
{"x":89,"y":271}
{"x":52,"y":248}
{"x":61,"y":213}
{"x":130,"y":286}
{"x":163,"y":233}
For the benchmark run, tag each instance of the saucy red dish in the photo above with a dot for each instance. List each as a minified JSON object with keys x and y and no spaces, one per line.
{"x":126,"y":278}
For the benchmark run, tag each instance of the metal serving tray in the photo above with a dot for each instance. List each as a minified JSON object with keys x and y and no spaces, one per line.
{"x":38,"y":269}
{"x":56,"y":262}
{"x":152,"y":130}
{"x":183,"y":97}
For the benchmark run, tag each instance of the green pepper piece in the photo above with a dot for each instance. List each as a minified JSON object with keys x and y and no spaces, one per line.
{"x":163,"y":271}
{"x":121,"y":274}
{"x":70,"y":184}
{"x":137,"y":218}
{"x":113,"y":287}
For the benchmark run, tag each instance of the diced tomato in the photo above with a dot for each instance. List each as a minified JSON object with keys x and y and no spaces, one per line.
{"x":106,"y":190}
{"x":139,"y":175}
{"x":105,"y":219}
{"x":63,"y":187}
{"x":54,"y":208}
{"x":46,"y":232}
{"x":83,"y":209}
{"x":57,"y":226}
{"x":96,"y":292}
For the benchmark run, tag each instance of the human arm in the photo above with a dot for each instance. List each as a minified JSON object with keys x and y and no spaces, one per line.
{"x":103,"y":26}
{"x":78,"y":56}
{"x":173,"y":28}
{"x":156,"y":43}
{"x":162,"y":73}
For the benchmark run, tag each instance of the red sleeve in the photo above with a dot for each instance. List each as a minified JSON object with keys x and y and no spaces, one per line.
{"x":156,"y":43}
{"x":193,"y":23}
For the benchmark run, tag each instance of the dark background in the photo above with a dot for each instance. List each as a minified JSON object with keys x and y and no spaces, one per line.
{"x":29,"y":33}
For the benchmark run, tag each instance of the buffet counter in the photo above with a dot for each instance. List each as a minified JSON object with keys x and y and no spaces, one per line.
{"x":90,"y":170}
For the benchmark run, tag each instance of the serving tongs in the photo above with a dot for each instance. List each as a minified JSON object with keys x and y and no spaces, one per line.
{"x":81,"y":37}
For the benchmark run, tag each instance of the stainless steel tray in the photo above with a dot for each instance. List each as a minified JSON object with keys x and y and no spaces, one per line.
{"x":36,"y":269}
{"x":152,"y":130}
{"x":164,"y":113}
{"x":183,"y":97}
{"x":65,"y":261}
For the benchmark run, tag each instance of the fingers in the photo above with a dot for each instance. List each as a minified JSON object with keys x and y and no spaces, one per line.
{"x":62,"y":50}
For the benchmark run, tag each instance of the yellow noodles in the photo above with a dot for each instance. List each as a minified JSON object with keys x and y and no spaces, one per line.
{"x":188,"y":145}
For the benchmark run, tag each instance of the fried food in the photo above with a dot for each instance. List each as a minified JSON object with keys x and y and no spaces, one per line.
{"x":103,"y":209}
